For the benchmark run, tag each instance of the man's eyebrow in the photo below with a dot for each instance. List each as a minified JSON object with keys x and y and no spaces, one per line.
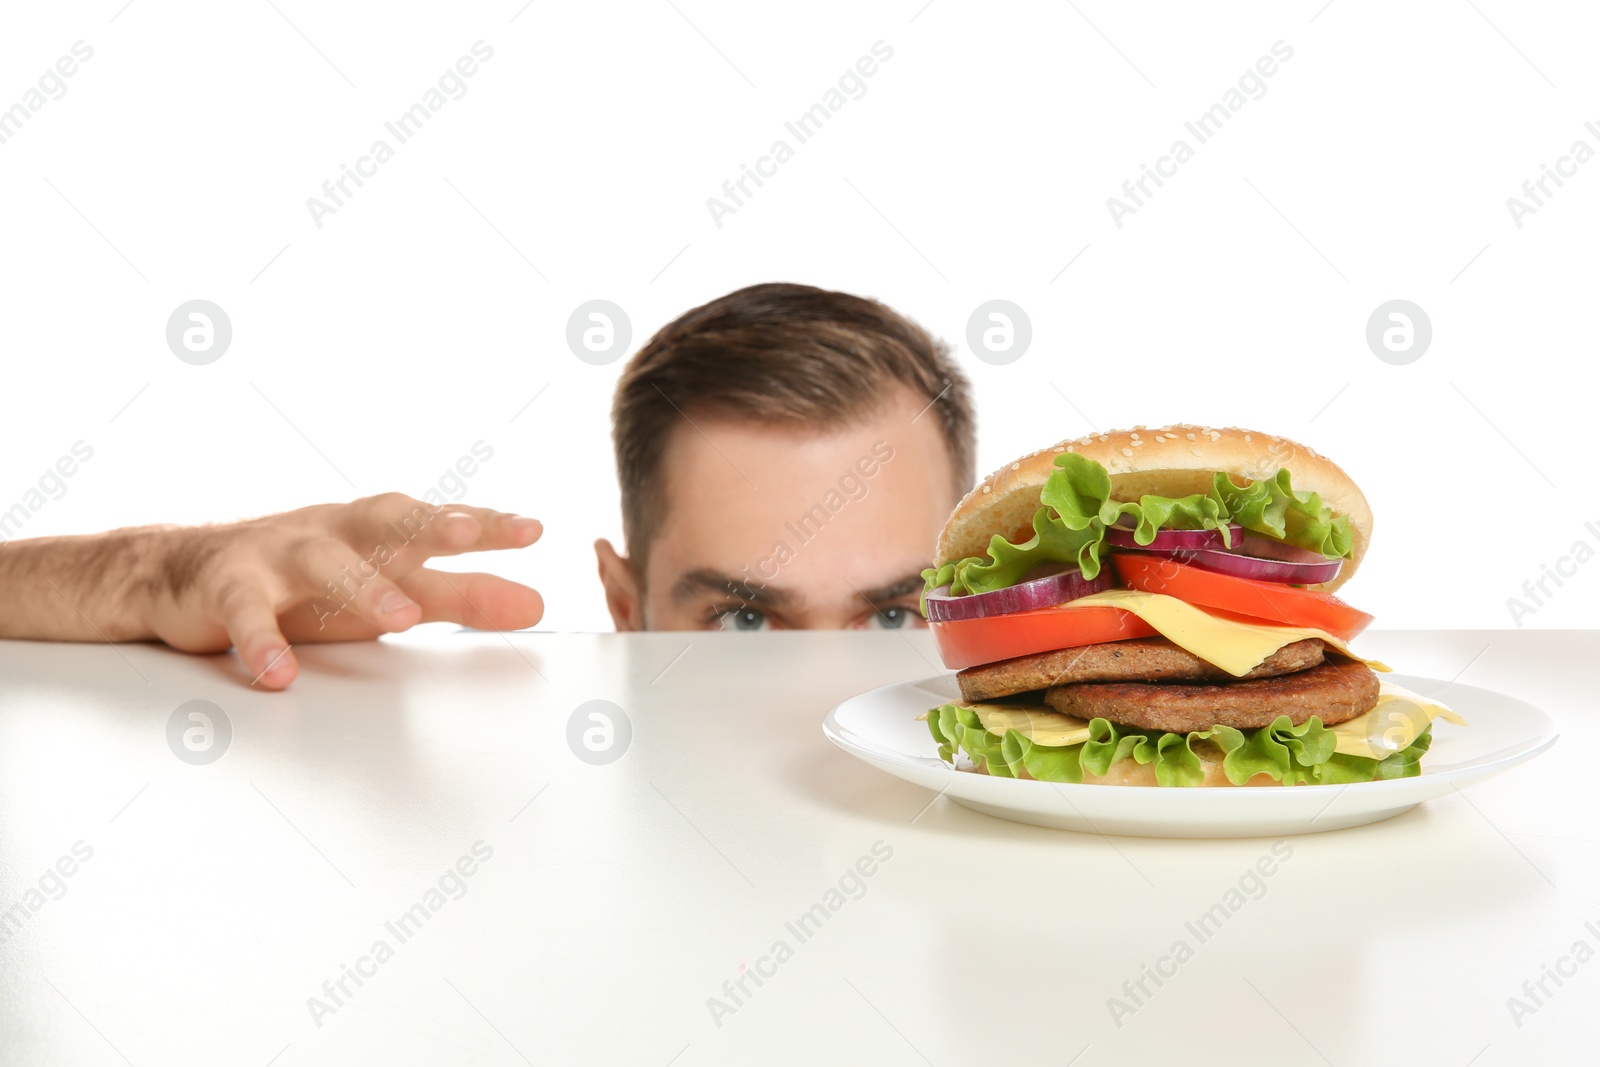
{"x":697,"y":583}
{"x":883,"y":594}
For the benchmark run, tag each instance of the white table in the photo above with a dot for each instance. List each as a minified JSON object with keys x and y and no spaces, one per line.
{"x":619,"y":898}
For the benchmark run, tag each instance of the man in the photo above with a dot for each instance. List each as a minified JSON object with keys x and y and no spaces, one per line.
{"x":787,"y":457}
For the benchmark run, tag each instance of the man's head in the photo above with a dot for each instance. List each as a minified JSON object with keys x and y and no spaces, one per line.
{"x":787,"y":457}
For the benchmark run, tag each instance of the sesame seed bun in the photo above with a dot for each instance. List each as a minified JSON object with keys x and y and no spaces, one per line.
{"x":1168,"y":461}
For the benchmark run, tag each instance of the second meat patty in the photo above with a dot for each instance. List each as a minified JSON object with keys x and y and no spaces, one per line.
{"x":1335,"y":692}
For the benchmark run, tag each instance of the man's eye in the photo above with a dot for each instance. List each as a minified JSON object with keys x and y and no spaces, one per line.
{"x":894,"y":619}
{"x":742,"y":619}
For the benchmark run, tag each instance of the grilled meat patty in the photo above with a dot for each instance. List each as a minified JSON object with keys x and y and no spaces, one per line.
{"x":1334,"y":692}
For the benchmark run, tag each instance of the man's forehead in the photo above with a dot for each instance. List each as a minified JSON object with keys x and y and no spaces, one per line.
{"x":771,"y":464}
{"x":773,"y":467}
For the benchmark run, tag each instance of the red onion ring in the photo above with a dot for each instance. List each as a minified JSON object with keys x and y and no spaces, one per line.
{"x":1287,"y":565}
{"x":1173,"y":540}
{"x":1045,"y":592}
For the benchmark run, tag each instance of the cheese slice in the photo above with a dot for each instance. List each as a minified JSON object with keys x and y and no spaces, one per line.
{"x":1398,"y":719}
{"x":1040,"y":724}
{"x":1036,"y":722}
{"x":1391,"y":726}
{"x":1236,"y":647}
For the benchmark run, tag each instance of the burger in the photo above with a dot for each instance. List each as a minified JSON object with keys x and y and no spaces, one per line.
{"x":1155,"y":607}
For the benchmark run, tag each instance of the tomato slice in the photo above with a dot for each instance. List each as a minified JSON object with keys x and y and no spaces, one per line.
{"x":1225,"y":593}
{"x":969,"y":642}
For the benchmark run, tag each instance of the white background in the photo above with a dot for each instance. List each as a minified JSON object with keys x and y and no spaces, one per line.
{"x":432,"y":307}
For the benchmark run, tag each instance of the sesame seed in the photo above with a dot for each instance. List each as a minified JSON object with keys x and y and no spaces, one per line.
{"x":986,"y":489}
{"x":1014,"y":466}
{"x":1127,"y":451}
{"x":1190,"y":436}
{"x":1137,"y":442}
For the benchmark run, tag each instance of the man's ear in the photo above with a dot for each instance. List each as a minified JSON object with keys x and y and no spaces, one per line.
{"x":622,"y":588}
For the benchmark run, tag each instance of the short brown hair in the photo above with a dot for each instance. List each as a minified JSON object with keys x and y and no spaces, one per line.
{"x":776,"y":353}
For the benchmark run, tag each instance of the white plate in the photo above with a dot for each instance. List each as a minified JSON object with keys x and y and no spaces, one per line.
{"x":880,"y":727}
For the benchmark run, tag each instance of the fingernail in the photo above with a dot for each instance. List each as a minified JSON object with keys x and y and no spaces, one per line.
{"x":394,"y":603}
{"x":522,"y":526}
{"x":272,"y":659}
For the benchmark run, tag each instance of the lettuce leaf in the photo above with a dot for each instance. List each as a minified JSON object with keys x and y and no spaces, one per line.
{"x":1292,"y":755}
{"x":1273,"y":507}
{"x":1079,"y":491}
{"x":959,"y":729}
{"x":1076,"y":508}
{"x":1052,"y":542}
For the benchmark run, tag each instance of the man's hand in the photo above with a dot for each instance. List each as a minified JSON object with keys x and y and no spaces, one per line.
{"x":332,"y":572}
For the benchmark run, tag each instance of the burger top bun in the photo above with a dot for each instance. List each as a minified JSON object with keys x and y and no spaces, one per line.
{"x":1168,"y":461}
